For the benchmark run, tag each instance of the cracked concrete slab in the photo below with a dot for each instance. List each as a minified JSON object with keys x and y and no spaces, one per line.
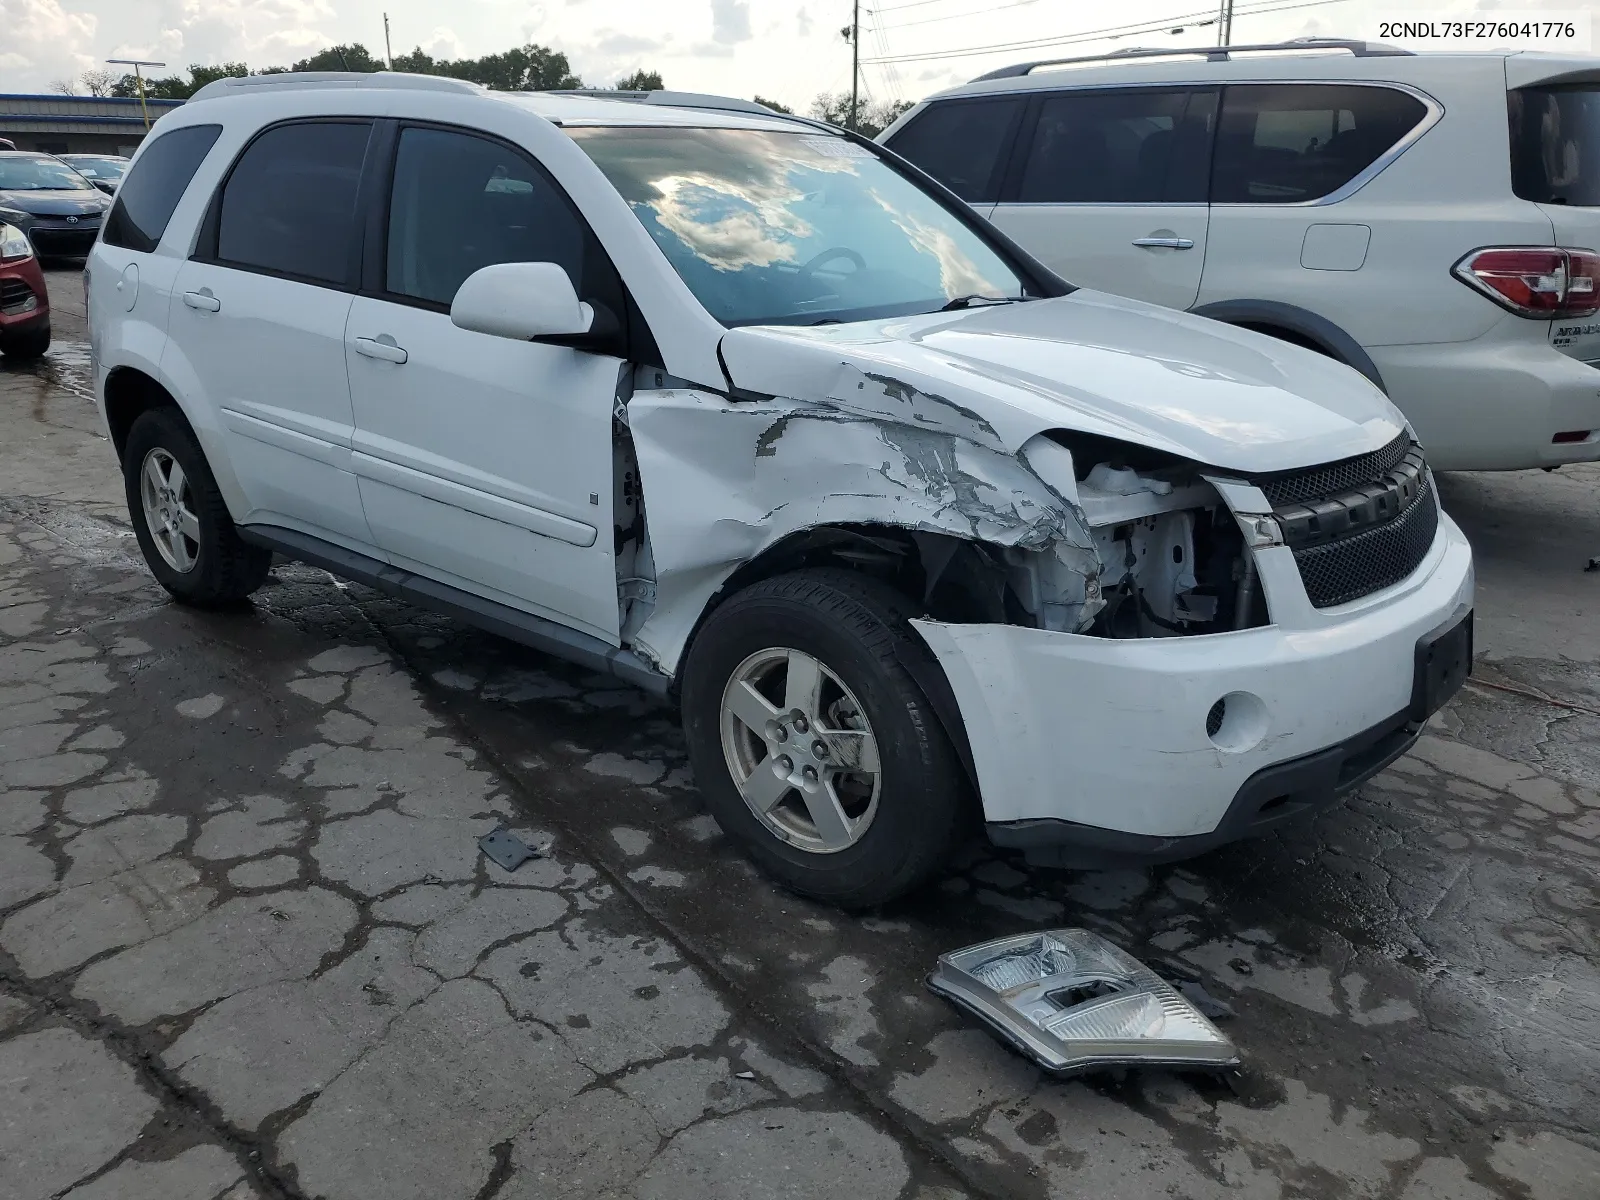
{"x":57,"y":1080}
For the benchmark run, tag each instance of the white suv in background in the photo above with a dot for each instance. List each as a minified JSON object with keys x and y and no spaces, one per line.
{"x":1431,"y":220}
{"x":744,"y":410}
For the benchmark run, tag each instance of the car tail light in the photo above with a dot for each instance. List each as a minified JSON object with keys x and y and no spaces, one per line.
{"x":1535,"y":281}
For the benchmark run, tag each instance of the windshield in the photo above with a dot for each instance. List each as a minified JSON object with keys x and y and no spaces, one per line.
{"x":794,"y":228}
{"x":99,"y":168}
{"x":1555,"y":144}
{"x":25,"y":173}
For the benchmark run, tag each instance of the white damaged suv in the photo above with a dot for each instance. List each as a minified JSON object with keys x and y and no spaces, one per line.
{"x":753,"y":414}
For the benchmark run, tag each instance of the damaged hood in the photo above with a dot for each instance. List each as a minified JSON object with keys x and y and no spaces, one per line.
{"x":998,"y":375}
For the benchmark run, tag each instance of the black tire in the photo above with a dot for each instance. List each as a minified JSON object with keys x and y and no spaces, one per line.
{"x":25,"y":344}
{"x":225,"y":569}
{"x":857,"y":628}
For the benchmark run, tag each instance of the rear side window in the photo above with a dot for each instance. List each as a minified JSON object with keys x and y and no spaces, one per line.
{"x":289,"y":205}
{"x":961,"y":143}
{"x":1111,"y":148}
{"x":1291,"y":143}
{"x":151,"y":192}
{"x":1555,"y":144}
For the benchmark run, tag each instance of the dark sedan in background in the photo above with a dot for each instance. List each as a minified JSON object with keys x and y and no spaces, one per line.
{"x":105,"y":171}
{"x":58,"y":208}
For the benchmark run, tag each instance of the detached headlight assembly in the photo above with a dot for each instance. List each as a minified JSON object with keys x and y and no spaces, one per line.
{"x":14,"y":244}
{"x":1071,"y":1001}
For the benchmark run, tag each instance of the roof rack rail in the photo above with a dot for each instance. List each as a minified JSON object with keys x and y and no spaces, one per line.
{"x":1210,"y":53}
{"x":675,"y":99}
{"x":333,"y":79}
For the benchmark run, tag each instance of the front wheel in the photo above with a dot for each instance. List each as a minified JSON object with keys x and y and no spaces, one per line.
{"x":180,"y":518}
{"x":813,"y":746}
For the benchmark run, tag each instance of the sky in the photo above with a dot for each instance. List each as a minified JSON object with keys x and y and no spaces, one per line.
{"x":787,"y":50}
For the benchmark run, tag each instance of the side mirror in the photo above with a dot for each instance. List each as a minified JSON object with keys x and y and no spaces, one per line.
{"x":522,"y":301}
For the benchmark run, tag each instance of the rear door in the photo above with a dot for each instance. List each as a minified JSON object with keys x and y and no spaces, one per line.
{"x":964,"y":143}
{"x":258,"y":323}
{"x":1555,"y":162}
{"x":1108,"y":188}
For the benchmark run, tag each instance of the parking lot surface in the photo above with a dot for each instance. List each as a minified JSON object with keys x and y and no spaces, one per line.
{"x":248,"y":947}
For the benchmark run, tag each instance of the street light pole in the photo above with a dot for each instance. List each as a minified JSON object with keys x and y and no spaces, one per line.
{"x":855,"y":66}
{"x":388,"y":50}
{"x":138,"y":78}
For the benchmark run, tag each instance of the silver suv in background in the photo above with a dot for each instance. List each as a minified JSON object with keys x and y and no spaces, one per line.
{"x":1430,"y":220}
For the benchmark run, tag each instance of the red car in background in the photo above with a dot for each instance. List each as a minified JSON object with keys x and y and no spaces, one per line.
{"x":24,"y":302}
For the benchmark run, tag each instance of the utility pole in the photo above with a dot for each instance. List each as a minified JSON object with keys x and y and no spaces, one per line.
{"x":388,"y":51}
{"x":138,"y":77}
{"x":1225,"y":24}
{"x":855,"y":65}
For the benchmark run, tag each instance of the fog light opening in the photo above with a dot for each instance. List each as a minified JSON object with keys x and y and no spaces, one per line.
{"x":1570,"y":436}
{"x":1237,"y":722}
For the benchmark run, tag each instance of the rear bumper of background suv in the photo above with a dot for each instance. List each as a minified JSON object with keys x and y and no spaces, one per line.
{"x":1103,"y":745}
{"x":1497,"y":402}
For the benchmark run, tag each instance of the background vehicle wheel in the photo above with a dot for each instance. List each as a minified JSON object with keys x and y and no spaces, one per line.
{"x":813,"y":746}
{"x":26,"y":343}
{"x":182,"y":524}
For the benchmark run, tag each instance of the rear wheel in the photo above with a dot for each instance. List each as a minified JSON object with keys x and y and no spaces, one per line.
{"x":812,"y":744}
{"x":180,"y":518}
{"x":26,"y":343}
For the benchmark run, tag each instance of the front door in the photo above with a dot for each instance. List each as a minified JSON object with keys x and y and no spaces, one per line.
{"x":257,"y":326}
{"x":1110,"y":190}
{"x":483,"y":462}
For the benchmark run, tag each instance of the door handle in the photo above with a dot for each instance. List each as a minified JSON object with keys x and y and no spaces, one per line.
{"x":381,"y":347}
{"x":1165,"y":243}
{"x":203,"y":300}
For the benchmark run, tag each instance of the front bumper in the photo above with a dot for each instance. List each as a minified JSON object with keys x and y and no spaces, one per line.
{"x":56,"y":237}
{"x":1105,"y":742}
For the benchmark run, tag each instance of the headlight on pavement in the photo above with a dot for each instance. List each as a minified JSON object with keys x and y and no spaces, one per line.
{"x":1071,"y":1001}
{"x":14,"y":245}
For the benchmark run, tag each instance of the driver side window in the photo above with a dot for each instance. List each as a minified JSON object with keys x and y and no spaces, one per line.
{"x":461,"y":203}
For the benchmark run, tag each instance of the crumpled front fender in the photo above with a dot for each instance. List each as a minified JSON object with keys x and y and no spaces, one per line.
{"x":725,"y":480}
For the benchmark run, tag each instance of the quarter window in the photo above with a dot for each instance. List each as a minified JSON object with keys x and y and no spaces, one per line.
{"x":1290,"y":143}
{"x":462,"y":203}
{"x":961,"y":144}
{"x":289,"y":206}
{"x":1113,"y":148}
{"x":151,"y":192}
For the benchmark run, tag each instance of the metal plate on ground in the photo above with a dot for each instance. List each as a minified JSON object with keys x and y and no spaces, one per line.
{"x":506,"y":848}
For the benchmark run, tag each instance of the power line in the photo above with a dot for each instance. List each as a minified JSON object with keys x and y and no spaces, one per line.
{"x":1039,"y":43}
{"x":913,"y":4}
{"x":982,"y":12}
{"x":1093,"y":35}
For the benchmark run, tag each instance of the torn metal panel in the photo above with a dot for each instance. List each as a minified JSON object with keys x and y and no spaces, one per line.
{"x":726,"y":481}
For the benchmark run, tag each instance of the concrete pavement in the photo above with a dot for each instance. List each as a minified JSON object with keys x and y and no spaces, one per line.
{"x":248,"y":946}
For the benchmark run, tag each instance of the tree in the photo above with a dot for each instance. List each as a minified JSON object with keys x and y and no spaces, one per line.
{"x":872,"y":116}
{"x":175,"y":87}
{"x":98,"y":82}
{"x":351,"y":56}
{"x":527,"y":68}
{"x":63,"y":86}
{"x":641,"y":81}
{"x":200,"y":76}
{"x":773,"y":105}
